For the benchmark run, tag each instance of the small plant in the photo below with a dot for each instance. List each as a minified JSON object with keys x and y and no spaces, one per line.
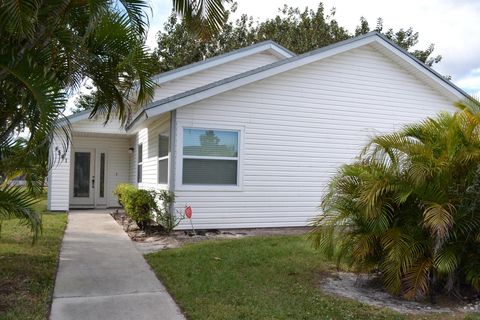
{"x":164,"y":215}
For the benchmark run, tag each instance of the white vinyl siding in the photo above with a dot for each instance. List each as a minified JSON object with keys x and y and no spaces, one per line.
{"x":213,"y":74}
{"x":132,"y":159}
{"x":148,"y":137}
{"x":59,"y":175}
{"x":299,"y":127}
{"x":97,"y":125}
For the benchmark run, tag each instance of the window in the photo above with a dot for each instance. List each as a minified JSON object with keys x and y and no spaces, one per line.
{"x":163,"y":150}
{"x":210,"y":157}
{"x":139,"y":162}
{"x":102,"y":175}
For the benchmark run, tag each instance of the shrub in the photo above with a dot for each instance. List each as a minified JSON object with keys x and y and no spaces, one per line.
{"x":139,"y":208}
{"x":409,"y":207}
{"x":139,"y":204}
{"x":123,"y":191}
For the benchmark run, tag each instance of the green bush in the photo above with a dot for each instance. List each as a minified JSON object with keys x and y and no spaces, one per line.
{"x":139,"y":204}
{"x":410,"y":207}
{"x":123,"y":191}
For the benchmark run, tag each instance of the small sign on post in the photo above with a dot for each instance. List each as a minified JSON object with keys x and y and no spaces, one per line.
{"x":188,"y":214}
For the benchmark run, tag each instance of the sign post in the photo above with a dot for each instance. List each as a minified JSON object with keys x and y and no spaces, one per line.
{"x":188,"y":214}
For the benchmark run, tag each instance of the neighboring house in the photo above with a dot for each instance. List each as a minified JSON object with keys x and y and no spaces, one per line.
{"x":251,"y":138}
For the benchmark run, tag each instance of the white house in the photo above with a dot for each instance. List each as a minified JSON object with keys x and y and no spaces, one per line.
{"x":251,"y":138}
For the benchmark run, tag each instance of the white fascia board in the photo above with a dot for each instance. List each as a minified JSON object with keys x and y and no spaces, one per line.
{"x":76,"y":117}
{"x":138,"y":124}
{"x":280,"y":52}
{"x":174,"y":104}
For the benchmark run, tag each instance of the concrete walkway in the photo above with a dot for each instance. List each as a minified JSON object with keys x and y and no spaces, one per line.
{"x":102,"y":275}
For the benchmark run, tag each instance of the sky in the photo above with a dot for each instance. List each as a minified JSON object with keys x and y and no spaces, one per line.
{"x":452,"y":25}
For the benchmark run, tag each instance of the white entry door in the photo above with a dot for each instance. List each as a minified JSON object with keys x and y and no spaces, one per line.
{"x":89,"y":178}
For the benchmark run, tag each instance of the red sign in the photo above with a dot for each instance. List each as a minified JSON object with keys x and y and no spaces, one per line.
{"x":188,"y":212}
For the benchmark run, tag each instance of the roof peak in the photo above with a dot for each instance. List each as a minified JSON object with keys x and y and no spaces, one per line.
{"x":269,"y":45}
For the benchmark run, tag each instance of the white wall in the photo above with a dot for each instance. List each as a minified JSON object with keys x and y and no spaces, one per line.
{"x":213,"y":74}
{"x":118,"y":159}
{"x":148,"y":137}
{"x":97,"y":125}
{"x":299,"y":127}
{"x":59,"y":174}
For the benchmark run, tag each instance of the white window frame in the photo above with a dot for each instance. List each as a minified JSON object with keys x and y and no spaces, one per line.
{"x":209,"y":187}
{"x":167,"y":157}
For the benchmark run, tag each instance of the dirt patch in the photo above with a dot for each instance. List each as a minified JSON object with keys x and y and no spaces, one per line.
{"x":368,"y":289}
{"x":156,"y":239}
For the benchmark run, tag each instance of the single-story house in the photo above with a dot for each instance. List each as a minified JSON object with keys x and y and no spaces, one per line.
{"x":251,"y":138}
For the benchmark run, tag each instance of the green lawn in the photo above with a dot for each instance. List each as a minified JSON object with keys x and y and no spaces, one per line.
{"x":27,"y":272}
{"x":256,"y":278}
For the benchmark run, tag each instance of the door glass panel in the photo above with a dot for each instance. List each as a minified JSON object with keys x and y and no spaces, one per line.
{"x":102,"y":175}
{"x":81,"y":175}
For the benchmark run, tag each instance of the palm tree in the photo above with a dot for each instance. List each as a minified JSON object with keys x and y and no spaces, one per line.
{"x":409,"y":206}
{"x":49,"y":48}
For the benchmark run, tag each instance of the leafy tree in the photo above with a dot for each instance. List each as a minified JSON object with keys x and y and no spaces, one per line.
{"x":85,"y":101}
{"x":49,"y":48}
{"x":297,"y":30}
{"x":409,"y":207}
{"x":404,"y":38}
{"x":177,"y":46}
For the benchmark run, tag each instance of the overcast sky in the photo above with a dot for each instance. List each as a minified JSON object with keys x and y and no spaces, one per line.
{"x":452,"y":25}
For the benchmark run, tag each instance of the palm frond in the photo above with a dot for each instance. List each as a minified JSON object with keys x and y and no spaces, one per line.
{"x":204,"y":16}
{"x":17,"y":203}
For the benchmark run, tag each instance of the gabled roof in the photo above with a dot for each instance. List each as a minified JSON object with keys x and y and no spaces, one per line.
{"x":270,"y":46}
{"x":75,"y":117}
{"x":264,"y":46}
{"x":203,"y":92}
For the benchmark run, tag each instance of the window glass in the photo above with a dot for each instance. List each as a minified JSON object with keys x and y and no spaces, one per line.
{"x":140,"y":153}
{"x":203,"y":171}
{"x":139,"y":163}
{"x":102,"y":175}
{"x":81,"y":175}
{"x":163,"y":171}
{"x":163,"y":150}
{"x":205,"y":157}
{"x":211,"y":143}
{"x":163,"y":142}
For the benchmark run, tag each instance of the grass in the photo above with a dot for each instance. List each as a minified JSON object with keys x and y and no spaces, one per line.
{"x":257,"y":278}
{"x":27,"y":272}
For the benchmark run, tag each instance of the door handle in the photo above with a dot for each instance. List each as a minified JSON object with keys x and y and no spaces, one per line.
{"x":93,"y":182}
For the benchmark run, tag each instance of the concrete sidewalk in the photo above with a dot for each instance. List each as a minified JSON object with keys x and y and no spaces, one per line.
{"x":102,"y":275}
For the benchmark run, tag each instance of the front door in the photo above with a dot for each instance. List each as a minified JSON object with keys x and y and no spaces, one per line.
{"x":89,"y":174}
